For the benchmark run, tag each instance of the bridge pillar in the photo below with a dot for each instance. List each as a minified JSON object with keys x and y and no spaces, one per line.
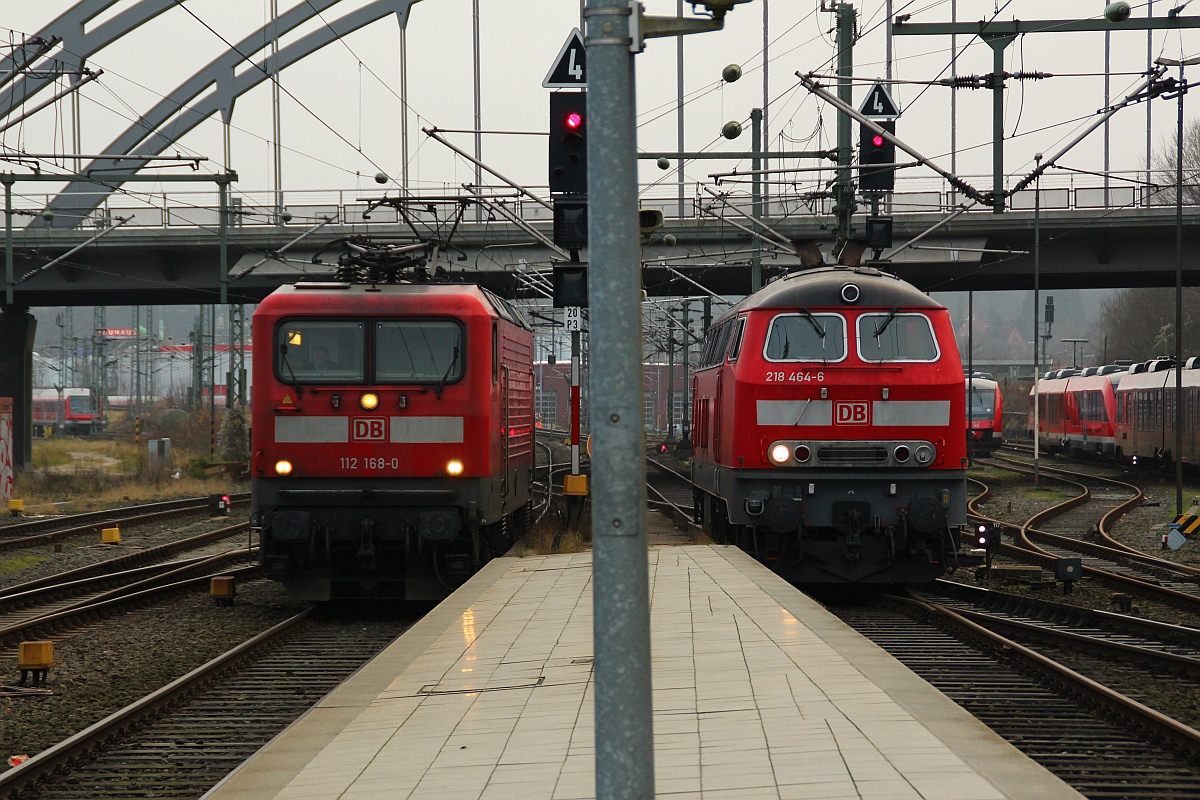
{"x":17,"y":328}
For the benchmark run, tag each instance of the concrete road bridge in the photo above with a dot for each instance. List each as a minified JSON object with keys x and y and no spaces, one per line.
{"x":171,"y":254}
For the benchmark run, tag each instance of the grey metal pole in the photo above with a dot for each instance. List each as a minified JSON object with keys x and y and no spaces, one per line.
{"x":970,"y":376}
{"x":679,"y":132}
{"x":1149,"y":110}
{"x":686,"y":425}
{"x":1107,"y":81}
{"x":670,"y":378}
{"x":998,"y":44}
{"x":8,"y":179}
{"x":276,"y":118}
{"x":478,"y":106}
{"x":766,"y":87}
{"x":620,"y":578}
{"x":1037,"y":254}
{"x":844,"y":190}
{"x":404,"y":110}
{"x":953,"y":103}
{"x":756,"y":196}
{"x":1179,"y":300}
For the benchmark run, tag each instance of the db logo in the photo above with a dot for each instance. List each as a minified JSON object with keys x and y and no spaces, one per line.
{"x":852,"y":413}
{"x":369,"y":429}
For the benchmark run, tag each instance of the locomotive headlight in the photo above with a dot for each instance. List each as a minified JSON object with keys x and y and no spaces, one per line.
{"x":780,"y":453}
{"x":803,"y":453}
{"x":369,"y":401}
{"x":283,"y":467}
{"x":454,"y":468}
{"x":901,"y":453}
{"x":924,"y":454}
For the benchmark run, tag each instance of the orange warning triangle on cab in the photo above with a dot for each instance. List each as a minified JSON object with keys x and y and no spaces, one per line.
{"x":287,"y":398}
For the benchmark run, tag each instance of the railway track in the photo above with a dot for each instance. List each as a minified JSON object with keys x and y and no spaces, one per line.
{"x":180,"y":740}
{"x":671,"y":491}
{"x":1099,"y":742}
{"x":1102,"y":557}
{"x":51,"y":529}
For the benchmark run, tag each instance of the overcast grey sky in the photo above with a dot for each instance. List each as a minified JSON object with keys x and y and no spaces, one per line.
{"x":353,"y":87}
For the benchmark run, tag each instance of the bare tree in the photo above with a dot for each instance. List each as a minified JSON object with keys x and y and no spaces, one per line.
{"x":1162,"y":189}
{"x":1139,"y":324}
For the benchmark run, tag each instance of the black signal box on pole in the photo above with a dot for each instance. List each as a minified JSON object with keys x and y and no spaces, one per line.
{"x":570,"y":285}
{"x":568,"y":143}
{"x":874,"y":149}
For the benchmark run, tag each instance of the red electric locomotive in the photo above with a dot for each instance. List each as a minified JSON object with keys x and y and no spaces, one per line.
{"x":828,"y":436}
{"x":985,"y":413}
{"x":392,"y":438}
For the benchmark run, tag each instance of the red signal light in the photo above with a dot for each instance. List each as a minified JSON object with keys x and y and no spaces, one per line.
{"x":574,"y":121}
{"x":877,"y":140}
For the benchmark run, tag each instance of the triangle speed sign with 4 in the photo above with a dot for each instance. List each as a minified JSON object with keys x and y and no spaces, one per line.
{"x":569,"y":70}
{"x":879,"y":104}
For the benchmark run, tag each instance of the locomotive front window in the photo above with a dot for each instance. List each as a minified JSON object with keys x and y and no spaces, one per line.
{"x":79,"y":404}
{"x":982,"y":403}
{"x":896,"y":337}
{"x":320,"y":351}
{"x":806,"y":337}
{"x":419,"y":350}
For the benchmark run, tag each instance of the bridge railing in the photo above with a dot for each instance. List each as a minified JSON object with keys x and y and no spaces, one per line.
{"x":200,"y":209}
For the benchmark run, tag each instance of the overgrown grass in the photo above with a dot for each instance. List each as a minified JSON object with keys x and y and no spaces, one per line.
{"x":21,"y":562}
{"x":551,"y":536}
{"x":75,"y":475}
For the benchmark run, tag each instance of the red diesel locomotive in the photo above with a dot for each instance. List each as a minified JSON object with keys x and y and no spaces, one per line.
{"x":829,"y":429}
{"x":392,"y":436}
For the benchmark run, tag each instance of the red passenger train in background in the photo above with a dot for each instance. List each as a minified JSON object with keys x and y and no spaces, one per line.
{"x":985,"y":413}
{"x":1077,"y":410}
{"x":829,"y":419}
{"x":72,"y":413}
{"x":1126,"y":412}
{"x":392,"y":437}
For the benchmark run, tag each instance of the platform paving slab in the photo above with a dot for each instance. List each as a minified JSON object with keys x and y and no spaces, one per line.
{"x":758,"y":692}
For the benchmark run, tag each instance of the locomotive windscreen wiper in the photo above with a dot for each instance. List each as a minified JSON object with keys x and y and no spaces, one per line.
{"x":449,"y":369}
{"x":284,"y":362}
{"x":816,"y":325}
{"x":881,"y":327}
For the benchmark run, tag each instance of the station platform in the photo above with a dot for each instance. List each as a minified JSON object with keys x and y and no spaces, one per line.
{"x":758,"y":693}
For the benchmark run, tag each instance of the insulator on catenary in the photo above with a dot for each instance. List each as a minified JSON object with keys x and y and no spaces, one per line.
{"x":963,"y":82}
{"x":1032,"y":76}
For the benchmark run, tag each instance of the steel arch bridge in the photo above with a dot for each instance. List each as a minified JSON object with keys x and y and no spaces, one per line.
{"x":67,"y":44}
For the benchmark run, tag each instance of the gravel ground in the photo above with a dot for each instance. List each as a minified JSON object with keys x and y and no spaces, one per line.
{"x":108,"y":665}
{"x":104,"y":666}
{"x":1013,"y":501}
{"x":81,"y":551}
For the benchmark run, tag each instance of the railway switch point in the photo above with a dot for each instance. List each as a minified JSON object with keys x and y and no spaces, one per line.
{"x":110,"y":535}
{"x":222,"y":589}
{"x":15,"y":507}
{"x":36,"y":658}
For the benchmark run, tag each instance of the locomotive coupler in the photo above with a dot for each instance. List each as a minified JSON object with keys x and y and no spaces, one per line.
{"x":366,"y":549}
